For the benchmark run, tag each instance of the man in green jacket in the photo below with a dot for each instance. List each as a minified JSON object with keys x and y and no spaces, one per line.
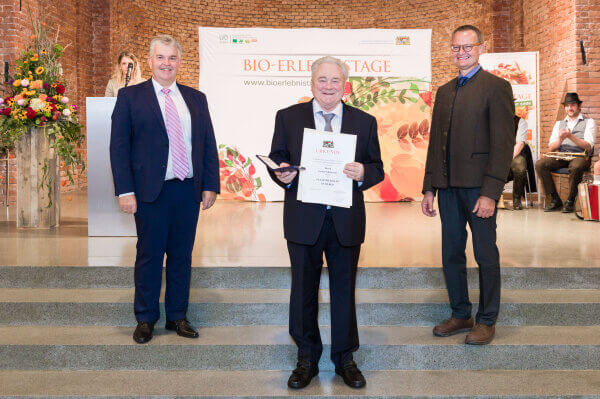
{"x":468,"y":160}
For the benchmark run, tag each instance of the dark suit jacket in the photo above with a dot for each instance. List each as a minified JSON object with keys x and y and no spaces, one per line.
{"x":139,"y":145}
{"x":302,"y":222}
{"x":482,"y":135}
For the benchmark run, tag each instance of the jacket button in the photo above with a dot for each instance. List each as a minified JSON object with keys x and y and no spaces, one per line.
{"x":443,"y":148}
{"x":445,"y":133}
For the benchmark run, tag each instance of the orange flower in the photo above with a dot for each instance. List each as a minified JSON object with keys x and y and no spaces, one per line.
{"x":39,"y":70}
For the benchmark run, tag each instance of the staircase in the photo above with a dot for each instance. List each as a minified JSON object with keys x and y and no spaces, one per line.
{"x":66,"y":332}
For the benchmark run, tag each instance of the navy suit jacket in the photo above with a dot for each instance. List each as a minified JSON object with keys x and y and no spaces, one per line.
{"x":139,"y":145}
{"x":302,"y":221}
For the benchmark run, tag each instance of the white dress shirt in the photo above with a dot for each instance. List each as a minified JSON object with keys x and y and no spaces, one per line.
{"x":184,"y":118}
{"x":589,"y":133}
{"x":336,"y":121}
{"x":521,"y":131}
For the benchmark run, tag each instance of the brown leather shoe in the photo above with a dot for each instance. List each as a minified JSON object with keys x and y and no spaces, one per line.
{"x":452,"y":326}
{"x":480,"y":335}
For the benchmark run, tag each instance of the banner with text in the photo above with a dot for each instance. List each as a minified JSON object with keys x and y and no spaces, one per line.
{"x":521,"y":70}
{"x":250,"y":73}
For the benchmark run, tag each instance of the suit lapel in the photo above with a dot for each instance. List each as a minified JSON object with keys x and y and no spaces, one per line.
{"x":151,"y":95}
{"x":347,"y":119}
{"x":309,"y":116}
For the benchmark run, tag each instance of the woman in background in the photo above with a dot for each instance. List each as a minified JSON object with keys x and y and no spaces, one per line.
{"x":119,"y":75}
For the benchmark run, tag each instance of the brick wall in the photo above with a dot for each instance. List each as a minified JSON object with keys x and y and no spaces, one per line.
{"x":587,"y":15}
{"x":134,"y":24}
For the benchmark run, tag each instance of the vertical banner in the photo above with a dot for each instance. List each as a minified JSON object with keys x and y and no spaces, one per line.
{"x":521,"y":70}
{"x":250,"y":73}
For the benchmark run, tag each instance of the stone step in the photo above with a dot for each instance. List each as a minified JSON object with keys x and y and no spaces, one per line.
{"x":279,"y":277}
{"x":271,"y":348}
{"x":222,"y":307}
{"x":380,"y":384}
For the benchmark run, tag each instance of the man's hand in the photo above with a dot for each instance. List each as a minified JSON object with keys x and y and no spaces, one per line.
{"x":427,"y":205}
{"x":485,"y":207}
{"x":563,"y":134}
{"x":286,"y":177}
{"x":128,"y":204}
{"x":208,"y":199}
{"x":355,"y":171}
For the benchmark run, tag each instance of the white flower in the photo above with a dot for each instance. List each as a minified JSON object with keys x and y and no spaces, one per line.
{"x":64,"y":100}
{"x":1,"y":101}
{"x":36,"y":104}
{"x":66,"y":112}
{"x":24,"y":82}
{"x":21,"y":102}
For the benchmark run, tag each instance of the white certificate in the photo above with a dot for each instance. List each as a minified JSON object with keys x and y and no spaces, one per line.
{"x":324,"y":155}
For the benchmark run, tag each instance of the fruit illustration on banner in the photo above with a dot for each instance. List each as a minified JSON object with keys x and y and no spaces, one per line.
{"x":513,"y":73}
{"x":402,"y":107}
{"x":238,"y":176}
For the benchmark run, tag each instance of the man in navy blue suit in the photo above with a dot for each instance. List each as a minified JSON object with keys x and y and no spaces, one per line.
{"x":164,"y":163}
{"x":314,"y":229}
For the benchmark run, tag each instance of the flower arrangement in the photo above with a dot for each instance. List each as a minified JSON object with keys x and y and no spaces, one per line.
{"x":38,"y":99}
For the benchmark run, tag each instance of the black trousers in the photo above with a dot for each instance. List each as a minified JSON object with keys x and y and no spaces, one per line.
{"x":456,"y":206}
{"x":307,"y":262}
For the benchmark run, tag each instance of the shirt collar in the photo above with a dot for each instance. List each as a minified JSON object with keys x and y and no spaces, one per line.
{"x":579,"y":118}
{"x":158,"y":87}
{"x":337,"y":110}
{"x":470,"y":74}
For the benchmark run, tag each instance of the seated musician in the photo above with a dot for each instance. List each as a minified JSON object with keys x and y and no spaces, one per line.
{"x":518,"y":166}
{"x":574,"y":134}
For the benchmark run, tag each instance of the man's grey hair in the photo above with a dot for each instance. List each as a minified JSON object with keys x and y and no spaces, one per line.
{"x":329,"y":60}
{"x":167,"y":40}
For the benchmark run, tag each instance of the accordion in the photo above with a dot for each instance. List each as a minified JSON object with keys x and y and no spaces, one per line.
{"x":589,"y":201}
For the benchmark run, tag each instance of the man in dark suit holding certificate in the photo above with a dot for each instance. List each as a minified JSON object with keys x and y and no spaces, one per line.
{"x":165,"y":164}
{"x":313,"y":229}
{"x":468,"y":159}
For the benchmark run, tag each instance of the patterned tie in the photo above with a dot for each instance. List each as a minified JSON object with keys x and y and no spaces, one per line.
{"x":328,"y":118}
{"x":176,"y":143}
{"x":462,"y":80}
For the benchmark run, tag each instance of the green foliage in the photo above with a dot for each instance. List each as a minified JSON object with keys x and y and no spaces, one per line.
{"x":369,"y":91}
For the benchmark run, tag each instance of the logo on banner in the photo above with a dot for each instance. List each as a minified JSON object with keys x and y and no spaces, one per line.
{"x":224,"y":38}
{"x":243,"y":39}
{"x":402,"y":40}
{"x":328,"y":144}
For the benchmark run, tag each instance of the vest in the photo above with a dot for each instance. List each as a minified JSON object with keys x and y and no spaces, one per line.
{"x":579,"y":132}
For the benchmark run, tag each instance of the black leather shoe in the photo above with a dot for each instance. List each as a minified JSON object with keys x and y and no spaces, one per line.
{"x":304,"y":372}
{"x":517,"y":206}
{"x":554,"y":205}
{"x":351,"y":375}
{"x":569,"y":207}
{"x":143,"y":332}
{"x":183,"y":328}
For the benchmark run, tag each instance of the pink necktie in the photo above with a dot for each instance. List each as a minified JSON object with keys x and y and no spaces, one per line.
{"x":176,"y":143}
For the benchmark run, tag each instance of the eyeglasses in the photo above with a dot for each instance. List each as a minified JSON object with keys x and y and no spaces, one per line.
{"x":466,"y":47}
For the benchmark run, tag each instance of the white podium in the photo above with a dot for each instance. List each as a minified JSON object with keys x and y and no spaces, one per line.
{"x":104,"y":216}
